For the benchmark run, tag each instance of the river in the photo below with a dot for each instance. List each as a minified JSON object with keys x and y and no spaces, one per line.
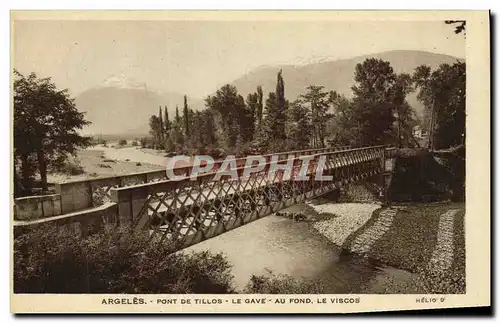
{"x":133,"y":154}
{"x":294,"y":248}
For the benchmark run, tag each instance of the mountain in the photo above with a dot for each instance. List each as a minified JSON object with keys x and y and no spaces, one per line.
{"x":336,"y":74}
{"x":122,"y":105}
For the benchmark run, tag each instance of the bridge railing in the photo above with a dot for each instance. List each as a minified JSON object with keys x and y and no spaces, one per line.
{"x":83,"y":194}
{"x":240,"y":162}
{"x":182,"y":212}
{"x":253,"y":198}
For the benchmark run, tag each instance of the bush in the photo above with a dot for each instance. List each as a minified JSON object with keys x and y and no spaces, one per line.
{"x":216,"y":153}
{"x":98,"y":141}
{"x":135,"y":143}
{"x":271,"y":283}
{"x":146,"y":142}
{"x":51,"y":260}
{"x":99,"y":197}
{"x":122,"y":142}
{"x":71,"y":166}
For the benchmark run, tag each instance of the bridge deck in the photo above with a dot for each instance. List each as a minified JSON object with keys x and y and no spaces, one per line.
{"x":200,"y":210}
{"x":245,"y":185}
{"x":183,"y":212}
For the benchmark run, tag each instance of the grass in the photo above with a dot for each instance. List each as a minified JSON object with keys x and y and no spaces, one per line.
{"x":410,"y":241}
{"x":409,"y":244}
{"x":453,"y":280}
{"x":272,"y":283}
{"x":311,"y":214}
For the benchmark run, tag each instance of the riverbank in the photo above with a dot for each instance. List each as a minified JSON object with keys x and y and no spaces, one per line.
{"x":344,"y":219}
{"x":415,"y":247}
{"x":427,"y":240}
{"x":99,"y":161}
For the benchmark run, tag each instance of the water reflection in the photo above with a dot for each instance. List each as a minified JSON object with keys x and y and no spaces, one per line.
{"x":287,"y":247}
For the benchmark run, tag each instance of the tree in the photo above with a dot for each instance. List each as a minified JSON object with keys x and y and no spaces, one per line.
{"x":421,"y":78}
{"x":407,"y":121}
{"x":339,"y":126}
{"x":208,"y":128}
{"x":46,"y":122}
{"x":167,"y":122}
{"x":169,"y":144}
{"x":191,"y":114}
{"x":280,"y":93}
{"x":275,"y":112}
{"x":268,"y":130}
{"x":459,"y":25}
{"x":160,"y":130}
{"x":317,"y":99}
{"x":250,"y":120}
{"x":259,"y":136}
{"x":378,"y":113}
{"x":299,"y":126}
{"x":177,"y":137}
{"x":203,"y":133}
{"x":186,"y":118}
{"x":177,"y":116}
{"x":176,"y":133}
{"x":373,"y":106}
{"x":405,"y":116}
{"x":230,"y":111}
{"x":260,"y":105}
{"x":443,"y":95}
{"x":155,"y":131}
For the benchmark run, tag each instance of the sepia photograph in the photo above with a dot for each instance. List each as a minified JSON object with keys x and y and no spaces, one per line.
{"x":255,"y":157}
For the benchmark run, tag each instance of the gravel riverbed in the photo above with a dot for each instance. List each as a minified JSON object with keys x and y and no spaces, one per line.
{"x":345,"y":219}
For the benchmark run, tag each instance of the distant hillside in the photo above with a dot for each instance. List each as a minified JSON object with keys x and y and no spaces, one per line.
{"x":335,"y":75}
{"x":124,"y":106}
{"x":121,"y":106}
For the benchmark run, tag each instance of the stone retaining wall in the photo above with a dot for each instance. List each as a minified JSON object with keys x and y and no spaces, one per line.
{"x":37,"y":207}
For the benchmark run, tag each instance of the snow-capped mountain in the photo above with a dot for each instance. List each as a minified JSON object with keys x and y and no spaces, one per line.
{"x":121,"y":104}
{"x":301,"y":61}
{"x":122,"y":81}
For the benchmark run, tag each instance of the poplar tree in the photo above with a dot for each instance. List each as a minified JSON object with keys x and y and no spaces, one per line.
{"x":186,"y":117}
{"x":160,"y":130}
{"x":167,"y":121}
{"x":177,"y":116}
{"x":260,"y":105}
{"x":276,"y":113}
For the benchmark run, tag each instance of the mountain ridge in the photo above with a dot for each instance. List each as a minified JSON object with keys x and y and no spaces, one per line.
{"x":123,"y":110}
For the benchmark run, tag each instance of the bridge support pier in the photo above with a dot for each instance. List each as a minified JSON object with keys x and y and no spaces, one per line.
{"x":386,"y":179}
{"x":388,"y":164}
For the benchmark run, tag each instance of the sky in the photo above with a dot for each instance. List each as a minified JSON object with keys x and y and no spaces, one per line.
{"x":196,"y":57}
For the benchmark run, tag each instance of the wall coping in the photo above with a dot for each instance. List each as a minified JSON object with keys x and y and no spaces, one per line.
{"x":37,"y":197}
{"x":111,"y":177}
{"x":65,"y":216}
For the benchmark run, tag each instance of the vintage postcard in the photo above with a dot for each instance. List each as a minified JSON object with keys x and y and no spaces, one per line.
{"x":249,"y":161}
